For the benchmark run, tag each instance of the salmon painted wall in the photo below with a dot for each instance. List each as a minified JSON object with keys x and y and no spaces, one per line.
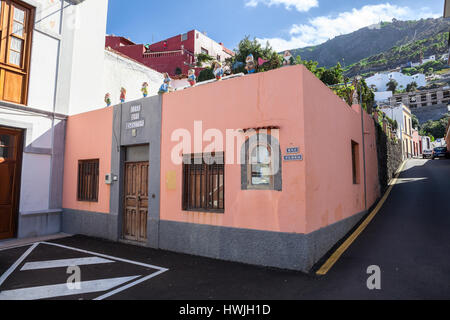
{"x":267,"y":99}
{"x":88,"y":136}
{"x":330,"y":127}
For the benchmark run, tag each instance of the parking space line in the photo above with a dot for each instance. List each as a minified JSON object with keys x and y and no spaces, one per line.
{"x":108,"y":257}
{"x":63,"y":263}
{"x":17,"y":263}
{"x":62,"y":290}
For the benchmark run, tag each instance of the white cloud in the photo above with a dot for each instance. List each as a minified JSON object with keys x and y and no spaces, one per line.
{"x":299,"y":5}
{"x":320,"y":29}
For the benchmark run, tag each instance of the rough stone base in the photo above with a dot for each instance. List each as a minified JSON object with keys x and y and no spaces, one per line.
{"x":270,"y":249}
{"x":92,"y":224}
{"x":39,"y":224}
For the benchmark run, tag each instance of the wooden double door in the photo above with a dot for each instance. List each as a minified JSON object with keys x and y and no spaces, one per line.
{"x":10,"y":169}
{"x":136,"y":201}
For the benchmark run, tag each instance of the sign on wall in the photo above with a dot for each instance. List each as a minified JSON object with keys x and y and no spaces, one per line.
{"x":293,"y":154}
{"x":135,"y":118}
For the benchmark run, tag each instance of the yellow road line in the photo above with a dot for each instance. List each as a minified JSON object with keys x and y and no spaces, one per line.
{"x":340,"y":251}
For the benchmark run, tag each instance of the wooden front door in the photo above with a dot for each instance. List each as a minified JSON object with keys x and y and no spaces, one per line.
{"x":136,"y":201}
{"x":10,"y":168}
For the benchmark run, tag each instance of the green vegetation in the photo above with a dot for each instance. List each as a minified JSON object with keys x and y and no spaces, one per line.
{"x":435,"y":129}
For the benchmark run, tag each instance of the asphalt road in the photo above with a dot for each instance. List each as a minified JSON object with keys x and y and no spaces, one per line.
{"x":409,"y":240}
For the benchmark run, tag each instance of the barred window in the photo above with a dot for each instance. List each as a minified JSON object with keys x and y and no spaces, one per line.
{"x":88,"y":180}
{"x":204,"y":183}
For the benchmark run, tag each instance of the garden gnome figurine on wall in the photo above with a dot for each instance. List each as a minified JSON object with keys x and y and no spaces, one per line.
{"x":288,"y":59}
{"x":145,"y":89}
{"x":191,"y":77}
{"x":218,"y":71}
{"x":123,"y":94}
{"x":166,"y":85}
{"x":250,"y":64}
{"x":108,"y":100}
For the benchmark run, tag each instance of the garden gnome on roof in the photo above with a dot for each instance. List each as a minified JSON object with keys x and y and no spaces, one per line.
{"x":218,"y":71}
{"x":166,"y":85}
{"x":191,"y":77}
{"x":288,"y":59}
{"x":145,"y":89}
{"x":108,"y":99}
{"x":250,"y":64}
{"x":123,"y":94}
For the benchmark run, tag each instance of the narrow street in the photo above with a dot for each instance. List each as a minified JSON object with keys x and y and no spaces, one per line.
{"x":408,"y":240}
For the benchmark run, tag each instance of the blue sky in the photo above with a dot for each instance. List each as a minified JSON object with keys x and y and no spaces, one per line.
{"x":287,"y":24}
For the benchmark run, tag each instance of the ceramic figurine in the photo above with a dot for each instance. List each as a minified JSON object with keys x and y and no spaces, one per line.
{"x":262,"y":61}
{"x":108,"y":100}
{"x":166,"y":85}
{"x":218,"y":71}
{"x":288,"y":59}
{"x":250,"y":64}
{"x":191,"y":77}
{"x":123,"y":94}
{"x":145,"y":89}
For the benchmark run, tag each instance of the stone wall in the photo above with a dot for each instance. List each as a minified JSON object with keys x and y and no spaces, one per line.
{"x":389,"y":157}
{"x":434,"y":113}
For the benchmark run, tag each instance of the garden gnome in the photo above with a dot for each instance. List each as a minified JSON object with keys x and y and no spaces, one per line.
{"x":123,"y":94}
{"x":191,"y":77}
{"x":218,"y":71}
{"x":166,"y":85}
{"x":108,"y":100}
{"x":145,"y":89}
{"x":287,"y":58}
{"x":250,"y":61}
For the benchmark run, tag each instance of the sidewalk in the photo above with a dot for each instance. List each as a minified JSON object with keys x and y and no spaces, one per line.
{"x":13,"y":243}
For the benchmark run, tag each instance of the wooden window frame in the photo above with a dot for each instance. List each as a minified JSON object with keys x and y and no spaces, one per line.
{"x":355,"y":163}
{"x":6,"y":34}
{"x":87,"y":191}
{"x":194,"y":165}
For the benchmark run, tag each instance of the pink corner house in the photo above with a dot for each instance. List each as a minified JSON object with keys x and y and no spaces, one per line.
{"x":264,"y":169}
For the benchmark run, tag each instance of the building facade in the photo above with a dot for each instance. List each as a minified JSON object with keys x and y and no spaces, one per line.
{"x":57,"y":67}
{"x":402,"y":114}
{"x":423,"y":98}
{"x":217,"y":171}
{"x":175,"y":55}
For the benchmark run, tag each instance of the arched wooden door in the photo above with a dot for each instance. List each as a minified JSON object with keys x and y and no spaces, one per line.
{"x":10,"y":169}
{"x":136,"y":201}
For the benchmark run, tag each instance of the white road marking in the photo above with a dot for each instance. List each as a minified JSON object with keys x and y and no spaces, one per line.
{"x":62,"y":290}
{"x":16,"y":264}
{"x":54,"y":291}
{"x":109,"y":294}
{"x":108,"y":257}
{"x":63,"y":263}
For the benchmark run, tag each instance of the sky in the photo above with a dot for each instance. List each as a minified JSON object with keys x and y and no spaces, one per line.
{"x":286,"y":24}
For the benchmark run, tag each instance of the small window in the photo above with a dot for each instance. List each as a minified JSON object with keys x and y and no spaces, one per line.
{"x":184,"y":37}
{"x":88,"y":180}
{"x":204,"y":51}
{"x":204,"y":183}
{"x":355,"y":162}
{"x":261,"y":168}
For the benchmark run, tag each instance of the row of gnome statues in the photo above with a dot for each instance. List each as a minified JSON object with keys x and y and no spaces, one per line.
{"x":250,"y":67}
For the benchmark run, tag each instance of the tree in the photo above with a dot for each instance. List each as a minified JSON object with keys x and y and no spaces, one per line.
{"x":203,"y":58}
{"x":254,"y":47}
{"x":415,"y":121}
{"x":436,"y":128}
{"x":392,"y":85}
{"x":206,"y":74}
{"x":333,"y":76}
{"x":412,"y":87}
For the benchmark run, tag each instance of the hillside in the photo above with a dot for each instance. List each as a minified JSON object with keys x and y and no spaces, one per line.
{"x":386,"y":38}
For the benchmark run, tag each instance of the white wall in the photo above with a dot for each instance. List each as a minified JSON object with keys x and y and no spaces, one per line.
{"x":119,"y":71}
{"x":380,"y":80}
{"x":212,"y":46}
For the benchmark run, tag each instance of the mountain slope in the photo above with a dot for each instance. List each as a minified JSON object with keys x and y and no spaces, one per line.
{"x":371,"y":41}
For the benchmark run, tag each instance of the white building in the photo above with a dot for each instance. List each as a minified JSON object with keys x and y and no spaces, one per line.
{"x":383,"y":96}
{"x":429,"y":59}
{"x":380,"y":80}
{"x":52,"y":64}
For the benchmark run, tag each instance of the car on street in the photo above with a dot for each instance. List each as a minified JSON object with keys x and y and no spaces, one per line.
{"x":427,"y":154}
{"x":440,"y":152}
